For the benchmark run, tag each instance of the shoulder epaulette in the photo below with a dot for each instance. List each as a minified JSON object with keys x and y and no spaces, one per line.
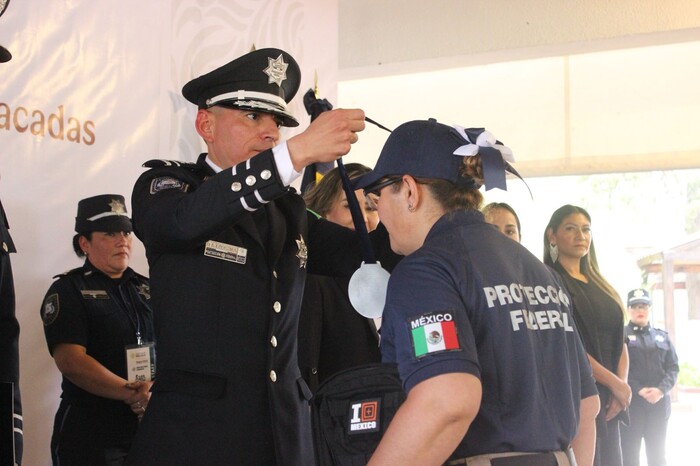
{"x":157,"y":163}
{"x":69,"y":272}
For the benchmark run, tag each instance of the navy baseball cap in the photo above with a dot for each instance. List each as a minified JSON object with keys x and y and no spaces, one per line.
{"x":263,"y":80}
{"x":418,"y":148}
{"x":428,"y":149}
{"x":638,"y":296}
{"x":5,"y":54}
{"x":106,"y":212}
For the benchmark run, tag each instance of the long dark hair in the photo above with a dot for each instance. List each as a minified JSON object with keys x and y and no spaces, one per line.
{"x":588,"y":263}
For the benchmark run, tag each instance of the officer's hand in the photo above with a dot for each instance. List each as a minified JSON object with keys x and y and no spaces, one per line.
{"x":142,"y":394}
{"x":651,"y":394}
{"x":622,"y":392}
{"x":327,"y":138}
{"x":614,"y":408}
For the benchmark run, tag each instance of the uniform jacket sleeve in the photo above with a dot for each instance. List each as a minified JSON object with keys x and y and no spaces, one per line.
{"x":174,"y":208}
{"x":670,"y":368}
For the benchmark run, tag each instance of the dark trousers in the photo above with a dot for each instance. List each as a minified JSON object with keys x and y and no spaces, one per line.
{"x":91,"y":435}
{"x":648,"y":422}
{"x":607,"y":445}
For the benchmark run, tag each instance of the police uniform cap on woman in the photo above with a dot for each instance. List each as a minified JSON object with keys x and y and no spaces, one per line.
{"x":93,"y":316}
{"x":494,"y":370}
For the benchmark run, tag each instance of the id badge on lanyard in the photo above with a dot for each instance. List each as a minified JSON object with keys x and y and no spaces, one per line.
{"x":141,"y":362}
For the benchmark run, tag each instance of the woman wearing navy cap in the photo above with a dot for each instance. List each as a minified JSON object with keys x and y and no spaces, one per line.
{"x":480,"y":329}
{"x":569,"y":249}
{"x":97,"y":320}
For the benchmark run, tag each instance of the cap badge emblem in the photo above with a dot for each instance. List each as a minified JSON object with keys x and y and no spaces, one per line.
{"x":117,"y":207}
{"x":276,"y":70}
{"x":639,"y":293}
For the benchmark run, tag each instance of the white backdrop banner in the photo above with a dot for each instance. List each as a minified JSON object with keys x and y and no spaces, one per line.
{"x":93,"y":91}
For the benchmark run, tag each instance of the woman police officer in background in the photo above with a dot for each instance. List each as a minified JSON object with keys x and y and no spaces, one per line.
{"x":93,"y":315}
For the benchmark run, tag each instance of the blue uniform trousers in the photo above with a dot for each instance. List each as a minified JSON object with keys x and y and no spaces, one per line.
{"x":647,"y":421}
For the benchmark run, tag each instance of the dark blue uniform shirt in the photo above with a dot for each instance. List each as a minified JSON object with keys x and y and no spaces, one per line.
{"x":87,"y":308}
{"x":472,"y":300}
{"x":653,"y":360}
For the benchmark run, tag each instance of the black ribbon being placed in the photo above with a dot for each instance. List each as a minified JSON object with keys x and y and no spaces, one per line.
{"x":368,"y":285}
{"x":314,"y":107}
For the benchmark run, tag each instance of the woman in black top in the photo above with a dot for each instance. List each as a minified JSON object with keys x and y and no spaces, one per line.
{"x":332,"y":335}
{"x":599,"y":315}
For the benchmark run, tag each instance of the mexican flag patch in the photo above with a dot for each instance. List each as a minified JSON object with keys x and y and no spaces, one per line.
{"x":432,"y":333}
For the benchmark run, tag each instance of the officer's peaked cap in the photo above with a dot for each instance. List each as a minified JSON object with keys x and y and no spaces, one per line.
{"x":637,"y":296}
{"x":106,"y":212}
{"x":421,"y":148}
{"x":263,"y":80}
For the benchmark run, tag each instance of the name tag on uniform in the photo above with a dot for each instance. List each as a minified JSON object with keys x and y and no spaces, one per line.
{"x":94,"y":294}
{"x":141,"y":362}
{"x":632,"y":337}
{"x":227,"y":252}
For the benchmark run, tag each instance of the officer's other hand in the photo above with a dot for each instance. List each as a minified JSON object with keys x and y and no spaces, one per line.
{"x":651,"y":394}
{"x":329,"y":136}
{"x":140,"y":396}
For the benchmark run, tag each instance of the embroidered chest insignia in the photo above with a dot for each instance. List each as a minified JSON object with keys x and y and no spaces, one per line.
{"x":144,"y":290}
{"x":302,"y":253}
{"x":276,"y":70}
{"x":94,"y":294}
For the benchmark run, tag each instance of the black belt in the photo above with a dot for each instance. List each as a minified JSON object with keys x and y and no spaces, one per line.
{"x":514,"y":459}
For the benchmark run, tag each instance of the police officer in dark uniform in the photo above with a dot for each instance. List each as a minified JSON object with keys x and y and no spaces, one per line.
{"x":228,"y":246}
{"x":9,"y":327}
{"x":481,"y":330}
{"x":99,"y":329}
{"x":652,"y":374}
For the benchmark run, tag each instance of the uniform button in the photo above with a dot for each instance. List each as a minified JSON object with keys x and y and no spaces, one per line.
{"x":6,"y":249}
{"x":274,"y":273}
{"x":314,"y":371}
{"x":273,"y":376}
{"x":250,"y":180}
{"x":277,"y":307}
{"x":273,"y":341}
{"x":236,"y":186}
{"x":266,"y":174}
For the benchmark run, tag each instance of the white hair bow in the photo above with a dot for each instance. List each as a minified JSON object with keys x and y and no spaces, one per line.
{"x":480,"y":139}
